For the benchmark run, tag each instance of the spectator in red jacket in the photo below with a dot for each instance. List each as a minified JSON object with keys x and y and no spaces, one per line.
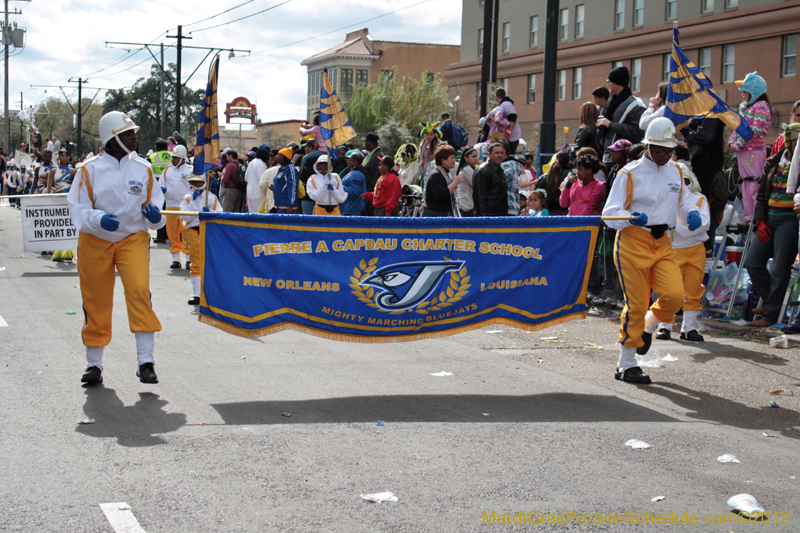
{"x":386,"y":196}
{"x":232,"y":199}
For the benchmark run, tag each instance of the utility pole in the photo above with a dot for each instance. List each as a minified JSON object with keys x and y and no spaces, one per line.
{"x":491,"y":12}
{"x":178,"y":86}
{"x":7,"y":38}
{"x":163,"y":97}
{"x":80,"y":115}
{"x":547,"y":129}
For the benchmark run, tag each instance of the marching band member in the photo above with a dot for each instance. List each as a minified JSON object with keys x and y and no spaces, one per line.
{"x":650,"y":189}
{"x":195,"y":201}
{"x":45,"y":172}
{"x":60,"y":182}
{"x":325,"y":188}
{"x":114,"y":205}
{"x":690,"y":254}
{"x":175,"y":186}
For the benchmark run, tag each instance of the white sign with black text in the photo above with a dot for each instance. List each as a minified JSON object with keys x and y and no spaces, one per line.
{"x":47,"y":225}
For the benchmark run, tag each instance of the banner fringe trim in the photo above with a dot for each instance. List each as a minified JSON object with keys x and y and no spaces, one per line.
{"x":346,"y":337}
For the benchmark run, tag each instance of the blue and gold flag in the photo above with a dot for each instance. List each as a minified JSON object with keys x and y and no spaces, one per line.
{"x":691,"y":96}
{"x":333,"y":122}
{"x":392,"y":279}
{"x":206,"y":149}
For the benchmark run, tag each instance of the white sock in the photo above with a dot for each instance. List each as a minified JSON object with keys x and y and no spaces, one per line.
{"x":176,"y":256}
{"x":689,"y":321}
{"x":664,"y":325}
{"x":195,"y":286}
{"x":650,"y":322}
{"x":94,"y":356}
{"x":145,"y":343}
{"x":627,"y":358}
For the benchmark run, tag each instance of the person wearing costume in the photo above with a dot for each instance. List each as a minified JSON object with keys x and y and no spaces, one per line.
{"x":195,"y":201}
{"x":427,"y":148}
{"x":650,"y":189}
{"x":325,"y":188}
{"x":114,"y":204}
{"x":175,"y":186}
{"x":690,"y":254}
{"x":60,"y":182}
{"x":160,"y":159}
{"x":409,"y":172}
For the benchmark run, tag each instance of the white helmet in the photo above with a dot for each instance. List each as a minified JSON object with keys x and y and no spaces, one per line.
{"x":661,"y":132}
{"x":179,"y":151}
{"x":12,"y":162}
{"x":112,"y":124}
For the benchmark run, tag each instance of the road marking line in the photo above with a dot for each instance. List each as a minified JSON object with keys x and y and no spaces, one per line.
{"x":121,"y":518}
{"x":3,"y":323}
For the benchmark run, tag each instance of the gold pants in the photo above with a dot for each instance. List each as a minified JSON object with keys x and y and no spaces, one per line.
{"x":692,"y":262}
{"x":321,"y":211}
{"x":196,"y":251}
{"x":644,"y":263}
{"x":97,"y":259}
{"x":174,"y":231}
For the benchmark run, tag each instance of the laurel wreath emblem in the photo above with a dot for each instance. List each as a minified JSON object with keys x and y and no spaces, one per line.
{"x":458,"y":288}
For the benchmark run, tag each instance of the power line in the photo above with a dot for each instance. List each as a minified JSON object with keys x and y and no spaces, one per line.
{"x":340,"y":29}
{"x":222,"y":13}
{"x":123,"y":70}
{"x":243,"y":18}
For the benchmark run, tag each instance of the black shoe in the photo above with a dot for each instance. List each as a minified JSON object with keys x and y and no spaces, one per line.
{"x":648,"y":339}
{"x":160,"y":241}
{"x":692,"y":336}
{"x":175,"y":264}
{"x":633,"y":375}
{"x":147,"y":374}
{"x":195,"y":300}
{"x":663,"y":334}
{"x":92,"y":376}
{"x":188,"y":265}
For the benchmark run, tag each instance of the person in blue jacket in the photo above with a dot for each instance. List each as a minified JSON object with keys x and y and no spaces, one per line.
{"x":355,"y":184}
{"x":284,"y":186}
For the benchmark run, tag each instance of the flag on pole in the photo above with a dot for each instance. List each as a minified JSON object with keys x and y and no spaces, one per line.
{"x":690,"y":95}
{"x":206,"y":149}
{"x":333,"y":122}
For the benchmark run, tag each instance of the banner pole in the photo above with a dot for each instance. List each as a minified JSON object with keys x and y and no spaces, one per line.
{"x":34,"y":195}
{"x":195,"y":213}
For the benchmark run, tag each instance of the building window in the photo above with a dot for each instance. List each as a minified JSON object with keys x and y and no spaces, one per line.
{"x":387,"y":74}
{"x":504,"y":83}
{"x":638,"y":12}
{"x":672,"y":9}
{"x":577,"y":77}
{"x":562,"y":84}
{"x":666,"y":59}
{"x":534,"y":31}
{"x":506,"y":36}
{"x":563,"y":33}
{"x":362,"y":77}
{"x":615,"y":64}
{"x":478,"y":96}
{"x":708,"y":6}
{"x":728,"y":60}
{"x":579,"y":12}
{"x":480,"y":42}
{"x":347,"y":79}
{"x":789,"y":62}
{"x":636,"y":75}
{"x":619,"y":14}
{"x":531,"y":88}
{"x":731,"y":3}
{"x":429,"y":77}
{"x":705,"y":62}
{"x":332,"y":75}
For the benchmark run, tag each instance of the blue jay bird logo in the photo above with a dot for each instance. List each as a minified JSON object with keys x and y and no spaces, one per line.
{"x":404,"y":285}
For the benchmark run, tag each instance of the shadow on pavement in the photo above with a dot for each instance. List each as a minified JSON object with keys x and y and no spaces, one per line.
{"x":555,"y":407}
{"x":710,"y":350}
{"x":712,"y":408}
{"x":54,"y":274}
{"x":134,"y":425}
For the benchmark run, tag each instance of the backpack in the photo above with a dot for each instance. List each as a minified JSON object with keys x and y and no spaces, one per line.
{"x":459,"y":136}
{"x":241,"y":182}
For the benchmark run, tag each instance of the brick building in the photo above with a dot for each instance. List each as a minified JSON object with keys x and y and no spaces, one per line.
{"x":725,"y":38}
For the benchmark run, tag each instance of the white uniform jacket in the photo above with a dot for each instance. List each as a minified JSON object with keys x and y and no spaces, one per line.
{"x":187,"y":204}
{"x":317,"y":189}
{"x":682,"y":237}
{"x":104,"y":185}
{"x":644,"y":187}
{"x":176,"y":181}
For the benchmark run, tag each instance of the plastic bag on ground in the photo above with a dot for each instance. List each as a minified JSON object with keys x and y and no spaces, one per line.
{"x":728,"y":458}
{"x":379,"y":497}
{"x":637,"y":444}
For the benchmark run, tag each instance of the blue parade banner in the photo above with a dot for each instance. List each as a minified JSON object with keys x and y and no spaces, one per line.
{"x":370,"y":279}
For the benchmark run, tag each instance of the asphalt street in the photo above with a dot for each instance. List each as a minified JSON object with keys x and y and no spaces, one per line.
{"x":528,"y":421}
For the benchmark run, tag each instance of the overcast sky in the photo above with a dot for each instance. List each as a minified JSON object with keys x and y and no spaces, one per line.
{"x":67,"y":39}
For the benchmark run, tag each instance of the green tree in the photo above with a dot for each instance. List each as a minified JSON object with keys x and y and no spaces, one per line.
{"x":393,"y":100}
{"x":57,"y":117}
{"x":142,"y":102}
